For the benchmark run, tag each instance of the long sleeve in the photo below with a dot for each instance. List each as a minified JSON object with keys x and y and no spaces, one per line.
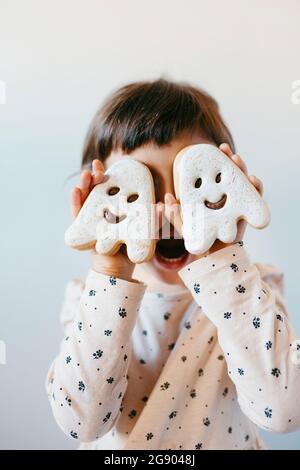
{"x":245,"y":302}
{"x":88,"y":378}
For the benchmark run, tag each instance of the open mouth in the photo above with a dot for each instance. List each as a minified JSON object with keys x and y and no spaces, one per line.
{"x":112,"y":218}
{"x":216,"y":205}
{"x":171,"y":253}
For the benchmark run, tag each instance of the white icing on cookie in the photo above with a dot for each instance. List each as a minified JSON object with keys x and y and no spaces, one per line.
{"x":214,"y":194}
{"x":117,"y":211}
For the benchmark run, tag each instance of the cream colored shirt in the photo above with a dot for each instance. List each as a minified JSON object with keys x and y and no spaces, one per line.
{"x":196,"y":368}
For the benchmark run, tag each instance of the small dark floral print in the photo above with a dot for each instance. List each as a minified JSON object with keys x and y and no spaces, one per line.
{"x":229,"y":430}
{"x":276,"y":372}
{"x":149,"y":436}
{"x":206,"y":421}
{"x":74,"y":435}
{"x":193,"y":393}
{"x":197,"y":288}
{"x":247,"y":437}
{"x":241,"y":371}
{"x":225,"y":392}
{"x":187,"y":325}
{"x":234,"y":267}
{"x":110,"y":380}
{"x":164,"y":386}
{"x":256,"y":322}
{"x":167,"y":315}
{"x":120,"y":395}
{"x":107,"y":332}
{"x":210,"y":340}
{"x":268,"y":345}
{"x":107,"y":416}
{"x":68,"y":400}
{"x":221,"y":357}
{"x":122,"y":312}
{"x":145,"y":332}
{"x":97,"y":354}
{"x":200,"y":372}
{"x":68,"y":359}
{"x":279,"y":317}
{"x":132,"y":414}
{"x":92,"y":293}
{"x":125,"y":357}
{"x":79,"y":324}
{"x":145,"y":398}
{"x":241,"y":243}
{"x":268,"y":412}
{"x":112,"y":280}
{"x":81,"y":386}
{"x":241,"y":289}
{"x":183,"y":358}
{"x":173,"y":414}
{"x":227,"y":315}
{"x":142,"y":361}
{"x":198,"y":446}
{"x":171,"y":346}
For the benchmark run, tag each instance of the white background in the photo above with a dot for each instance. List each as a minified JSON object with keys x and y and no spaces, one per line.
{"x":59,"y":59}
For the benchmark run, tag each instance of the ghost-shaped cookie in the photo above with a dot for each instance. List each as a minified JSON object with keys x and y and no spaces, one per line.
{"x":118,"y":211}
{"x":214,"y":195}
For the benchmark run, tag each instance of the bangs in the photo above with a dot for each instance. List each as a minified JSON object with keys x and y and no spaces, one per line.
{"x":156,"y":112}
{"x":151,"y":114}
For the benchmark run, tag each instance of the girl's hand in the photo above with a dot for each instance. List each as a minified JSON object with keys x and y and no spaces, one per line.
{"x":117,"y":265}
{"x":172,"y":208}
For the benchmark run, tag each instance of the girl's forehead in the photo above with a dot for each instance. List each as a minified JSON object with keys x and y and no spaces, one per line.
{"x":157,"y":157}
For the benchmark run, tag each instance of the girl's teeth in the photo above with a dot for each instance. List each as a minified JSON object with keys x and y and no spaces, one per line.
{"x":171,"y":260}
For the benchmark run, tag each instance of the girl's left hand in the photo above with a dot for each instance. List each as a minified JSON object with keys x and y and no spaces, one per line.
{"x":172,"y":208}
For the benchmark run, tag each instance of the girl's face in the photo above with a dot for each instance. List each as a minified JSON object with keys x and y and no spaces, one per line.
{"x":170,"y":254}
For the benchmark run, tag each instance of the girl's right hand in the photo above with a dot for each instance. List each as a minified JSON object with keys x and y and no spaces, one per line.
{"x":119,"y":264}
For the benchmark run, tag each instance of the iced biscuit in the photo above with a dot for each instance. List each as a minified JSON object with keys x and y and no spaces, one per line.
{"x":118,"y":211}
{"x":214,"y":194}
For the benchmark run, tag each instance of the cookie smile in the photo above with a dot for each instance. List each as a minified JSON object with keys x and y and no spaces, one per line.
{"x":112,"y":218}
{"x":216,"y":205}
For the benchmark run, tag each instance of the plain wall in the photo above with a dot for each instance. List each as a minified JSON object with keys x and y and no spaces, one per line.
{"x":58,"y":60}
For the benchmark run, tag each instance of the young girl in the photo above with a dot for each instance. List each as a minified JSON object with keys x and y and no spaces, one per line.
{"x":181,"y":352}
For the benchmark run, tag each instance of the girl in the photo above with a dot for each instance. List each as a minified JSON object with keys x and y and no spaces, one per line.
{"x":181,"y":352}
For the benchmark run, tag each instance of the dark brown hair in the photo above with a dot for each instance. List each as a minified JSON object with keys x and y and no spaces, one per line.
{"x":152,"y":111}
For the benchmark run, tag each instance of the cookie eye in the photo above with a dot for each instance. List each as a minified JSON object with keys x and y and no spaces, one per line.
{"x":218,"y":178}
{"x":133,"y":197}
{"x":198,"y":183}
{"x":112,"y":191}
